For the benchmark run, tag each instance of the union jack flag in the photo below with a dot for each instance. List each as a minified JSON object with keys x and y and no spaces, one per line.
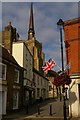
{"x":49,"y":65}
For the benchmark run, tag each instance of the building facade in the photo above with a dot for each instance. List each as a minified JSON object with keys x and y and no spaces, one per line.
{"x":41,"y":86}
{"x":24,"y":58}
{"x":3,"y":86}
{"x":12,"y":77}
{"x":52,"y":88}
{"x":72,"y":44}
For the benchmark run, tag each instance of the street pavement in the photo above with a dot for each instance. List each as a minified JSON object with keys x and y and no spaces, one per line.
{"x":49,"y":110}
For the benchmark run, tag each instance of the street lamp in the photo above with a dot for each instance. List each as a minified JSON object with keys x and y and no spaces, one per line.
{"x":60,"y":23}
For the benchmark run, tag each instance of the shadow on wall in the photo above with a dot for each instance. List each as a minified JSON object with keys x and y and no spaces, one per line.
{"x":72,"y":100}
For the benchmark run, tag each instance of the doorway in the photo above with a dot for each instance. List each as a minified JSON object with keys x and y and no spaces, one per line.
{"x":4,"y":99}
{"x":0,"y":104}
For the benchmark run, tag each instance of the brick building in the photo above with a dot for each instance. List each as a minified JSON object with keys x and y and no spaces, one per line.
{"x":72,"y":44}
{"x":12,"y":82}
{"x":72,"y":36}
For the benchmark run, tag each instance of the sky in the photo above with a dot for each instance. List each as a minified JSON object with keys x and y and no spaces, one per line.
{"x":46,"y":16}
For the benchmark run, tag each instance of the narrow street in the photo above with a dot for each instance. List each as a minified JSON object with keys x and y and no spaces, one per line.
{"x":56,"y":111}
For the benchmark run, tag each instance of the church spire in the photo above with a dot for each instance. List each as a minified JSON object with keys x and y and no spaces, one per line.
{"x":31,"y":32}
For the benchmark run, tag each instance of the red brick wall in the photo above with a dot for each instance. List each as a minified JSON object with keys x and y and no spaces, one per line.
{"x":71,"y":34}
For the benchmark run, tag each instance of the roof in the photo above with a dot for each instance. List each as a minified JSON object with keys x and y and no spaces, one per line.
{"x":72,"y":21}
{"x":7,"y":56}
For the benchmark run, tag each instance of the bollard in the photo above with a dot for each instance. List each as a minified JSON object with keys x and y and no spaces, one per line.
{"x":27,"y":109}
{"x":38,"y":109}
{"x":64,"y":111}
{"x":50,"y":109}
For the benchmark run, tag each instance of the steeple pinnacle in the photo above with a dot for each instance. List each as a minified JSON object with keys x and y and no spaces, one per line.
{"x":31,"y":31}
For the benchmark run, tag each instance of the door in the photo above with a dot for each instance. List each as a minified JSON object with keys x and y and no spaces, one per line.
{"x":0,"y":104}
{"x":4,"y":99}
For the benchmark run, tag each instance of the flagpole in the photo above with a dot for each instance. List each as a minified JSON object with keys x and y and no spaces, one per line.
{"x":57,"y":65}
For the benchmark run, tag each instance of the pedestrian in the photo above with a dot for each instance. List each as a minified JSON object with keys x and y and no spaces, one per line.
{"x":27,"y":108}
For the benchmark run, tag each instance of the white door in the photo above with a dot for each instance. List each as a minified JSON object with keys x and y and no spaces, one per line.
{"x":4,"y":96}
{"x":15,"y":99}
{"x":0,"y":104}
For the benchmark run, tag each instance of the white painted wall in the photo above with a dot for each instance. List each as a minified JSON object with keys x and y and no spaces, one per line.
{"x":0,"y":105}
{"x":17,"y":52}
{"x":24,"y":59}
{"x":74,"y":97}
{"x":28,"y":63}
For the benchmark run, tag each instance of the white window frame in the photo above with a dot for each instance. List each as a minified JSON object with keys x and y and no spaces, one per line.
{"x":3,"y":77}
{"x":17,"y":100}
{"x":16,"y":70}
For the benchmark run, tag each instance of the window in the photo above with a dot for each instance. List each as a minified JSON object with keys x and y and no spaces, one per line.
{"x":38,"y":80}
{"x":34,"y":77}
{"x":50,"y":88}
{"x":38,"y":90}
{"x":15,"y":99}
{"x":26,"y":69}
{"x":41,"y":81}
{"x":2,"y":71}
{"x":29,"y":73}
{"x":42,"y":92}
{"x":16,"y":76}
{"x":39,"y":53}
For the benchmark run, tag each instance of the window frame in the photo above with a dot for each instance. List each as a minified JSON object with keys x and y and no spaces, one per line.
{"x":16,"y":70}
{"x":3,"y":77}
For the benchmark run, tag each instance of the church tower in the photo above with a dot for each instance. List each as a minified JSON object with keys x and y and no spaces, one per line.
{"x":35,"y":46}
